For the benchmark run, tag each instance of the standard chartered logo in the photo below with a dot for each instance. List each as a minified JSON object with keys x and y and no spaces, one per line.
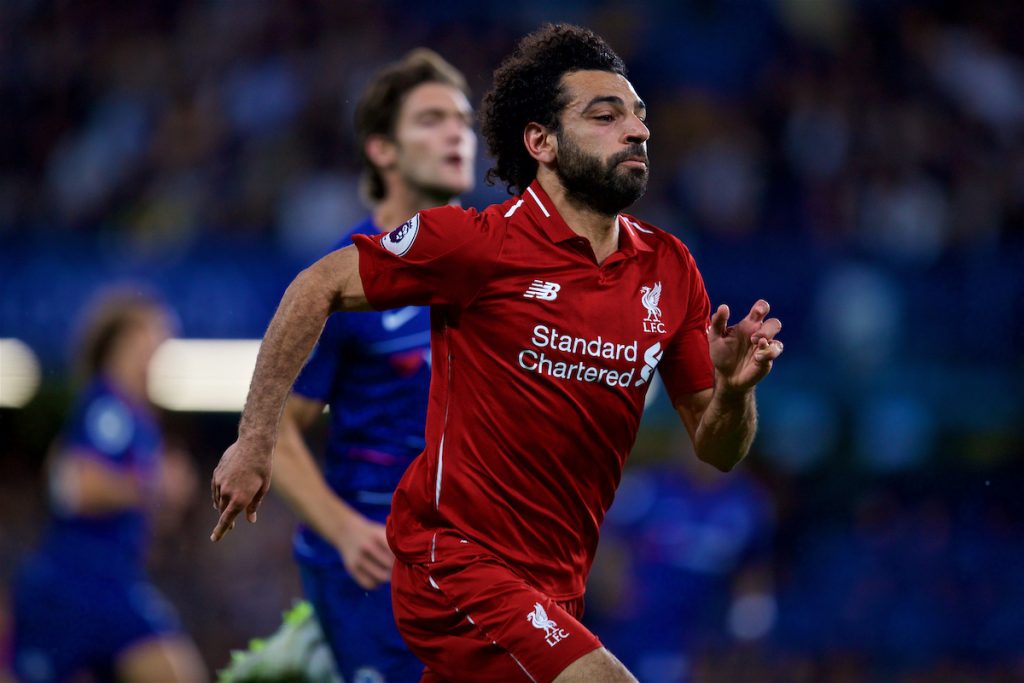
{"x":651,"y":358}
{"x":590,"y":352}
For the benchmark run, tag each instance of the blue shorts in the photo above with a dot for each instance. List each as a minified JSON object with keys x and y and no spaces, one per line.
{"x":66,"y":622}
{"x":359,"y":626}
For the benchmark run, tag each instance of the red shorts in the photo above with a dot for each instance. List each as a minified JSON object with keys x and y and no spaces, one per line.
{"x":469,"y":617}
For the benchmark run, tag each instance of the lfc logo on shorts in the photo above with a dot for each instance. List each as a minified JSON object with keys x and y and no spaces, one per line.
{"x":539,"y":619}
{"x":650,"y":297}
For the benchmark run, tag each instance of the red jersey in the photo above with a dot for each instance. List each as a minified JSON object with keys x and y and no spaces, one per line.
{"x":541,"y":361}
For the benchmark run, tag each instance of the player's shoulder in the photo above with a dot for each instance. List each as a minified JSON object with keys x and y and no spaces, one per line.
{"x":659,"y":240}
{"x":489,"y":214}
{"x":440,"y":218}
{"x":491,"y":220}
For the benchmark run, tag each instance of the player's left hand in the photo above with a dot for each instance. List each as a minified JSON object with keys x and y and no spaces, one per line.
{"x":743,"y":353}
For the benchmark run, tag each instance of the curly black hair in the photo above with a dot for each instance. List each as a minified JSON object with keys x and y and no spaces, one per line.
{"x":528,"y":89}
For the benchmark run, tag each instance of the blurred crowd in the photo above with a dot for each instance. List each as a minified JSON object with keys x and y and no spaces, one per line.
{"x":860,"y":163}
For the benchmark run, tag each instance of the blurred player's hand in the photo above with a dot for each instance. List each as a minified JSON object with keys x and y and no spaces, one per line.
{"x":239,"y":483}
{"x":178,"y":484}
{"x":743,"y":353}
{"x":363,"y":546}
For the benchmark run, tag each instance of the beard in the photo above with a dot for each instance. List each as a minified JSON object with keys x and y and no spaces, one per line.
{"x":602,"y":186}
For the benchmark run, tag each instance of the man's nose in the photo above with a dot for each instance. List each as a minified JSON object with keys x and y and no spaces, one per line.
{"x":637,"y":133}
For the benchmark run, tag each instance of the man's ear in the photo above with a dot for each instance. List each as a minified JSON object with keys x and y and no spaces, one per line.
{"x":541,"y":143}
{"x":381,"y":151}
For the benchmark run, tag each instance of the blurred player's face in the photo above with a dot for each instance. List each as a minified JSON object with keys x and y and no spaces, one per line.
{"x":139,"y":342}
{"x":435,"y":142}
{"x":602,"y":141}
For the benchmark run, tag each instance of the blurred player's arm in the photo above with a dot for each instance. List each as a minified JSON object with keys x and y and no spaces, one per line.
{"x":84,"y":484}
{"x":243,"y":475}
{"x":362,"y":543}
{"x":176,"y":490}
{"x":722,"y":421}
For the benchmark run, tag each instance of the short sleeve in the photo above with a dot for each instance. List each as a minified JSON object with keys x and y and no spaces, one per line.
{"x":440,"y":256}
{"x":104,"y":427}
{"x":316,"y":380}
{"x":686,"y":366}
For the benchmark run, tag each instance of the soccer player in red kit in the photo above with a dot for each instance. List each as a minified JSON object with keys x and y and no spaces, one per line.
{"x":549,"y":315}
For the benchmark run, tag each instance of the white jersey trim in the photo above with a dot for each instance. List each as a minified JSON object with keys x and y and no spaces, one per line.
{"x":632,"y":225}
{"x":537,"y":199}
{"x":522,"y":667}
{"x":637,"y":226}
{"x":626,"y":225}
{"x":482,"y":631}
{"x":440,"y":467}
{"x":515,"y":207}
{"x":444,"y":428}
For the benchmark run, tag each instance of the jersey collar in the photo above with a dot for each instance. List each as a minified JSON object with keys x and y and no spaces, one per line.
{"x":630,"y":235}
{"x":543,"y":211}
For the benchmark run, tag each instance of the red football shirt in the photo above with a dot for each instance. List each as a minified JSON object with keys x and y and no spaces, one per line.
{"x":541,"y":361}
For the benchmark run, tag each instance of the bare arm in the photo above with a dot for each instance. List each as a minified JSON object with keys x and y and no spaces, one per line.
{"x":721,"y":425}
{"x":243,"y":475}
{"x":297,"y":478}
{"x":722,"y":421}
{"x":361,"y":543}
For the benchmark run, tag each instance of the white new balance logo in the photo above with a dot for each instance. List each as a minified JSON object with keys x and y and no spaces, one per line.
{"x":545,"y":291}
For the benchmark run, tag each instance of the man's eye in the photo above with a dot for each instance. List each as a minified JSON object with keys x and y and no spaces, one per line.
{"x":605,"y":117}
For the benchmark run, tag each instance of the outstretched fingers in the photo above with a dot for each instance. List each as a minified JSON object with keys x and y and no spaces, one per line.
{"x":227,"y":519}
{"x":758,"y":311}
{"x":250,"y":510}
{"x":767,"y":350}
{"x":768,"y":329}
{"x":233,"y":503}
{"x":719,"y":322}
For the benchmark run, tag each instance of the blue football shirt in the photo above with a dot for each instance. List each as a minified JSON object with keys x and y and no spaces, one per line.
{"x":122,"y":434}
{"x":373,"y":371}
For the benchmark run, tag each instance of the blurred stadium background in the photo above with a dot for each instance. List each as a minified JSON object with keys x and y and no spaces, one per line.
{"x":858,"y":163}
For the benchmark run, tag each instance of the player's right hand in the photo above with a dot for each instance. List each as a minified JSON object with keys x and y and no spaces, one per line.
{"x":239,"y":483}
{"x":364,"y":549}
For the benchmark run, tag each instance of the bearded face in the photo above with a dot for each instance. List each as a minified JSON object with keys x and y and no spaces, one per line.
{"x":606,"y":185}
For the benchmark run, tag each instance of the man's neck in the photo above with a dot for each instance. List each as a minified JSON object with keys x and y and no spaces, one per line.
{"x":401,"y":204}
{"x":127,"y":379}
{"x":602,"y":231}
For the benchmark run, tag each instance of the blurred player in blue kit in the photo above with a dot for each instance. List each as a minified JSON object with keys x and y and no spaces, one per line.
{"x":84,"y":608}
{"x":414,"y":129}
{"x":685,"y":559}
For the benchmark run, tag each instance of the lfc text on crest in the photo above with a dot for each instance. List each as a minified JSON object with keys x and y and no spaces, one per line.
{"x":650,"y":297}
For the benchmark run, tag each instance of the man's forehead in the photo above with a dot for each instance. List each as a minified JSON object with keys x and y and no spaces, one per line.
{"x":435,"y":95}
{"x":583,"y":86}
